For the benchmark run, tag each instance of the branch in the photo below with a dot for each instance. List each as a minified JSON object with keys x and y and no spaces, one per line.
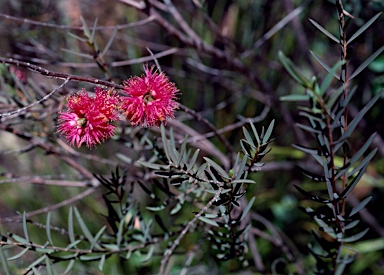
{"x":19,"y":111}
{"x":76,"y":28}
{"x":54,"y":206}
{"x":42,"y":181}
{"x":58,"y":75}
{"x":169,"y":252}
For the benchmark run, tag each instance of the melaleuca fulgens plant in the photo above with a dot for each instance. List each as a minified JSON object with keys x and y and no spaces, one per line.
{"x":328,"y":120}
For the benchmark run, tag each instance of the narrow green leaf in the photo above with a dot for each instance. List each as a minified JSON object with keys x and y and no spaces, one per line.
{"x":367,"y":159}
{"x":353,"y":183}
{"x":201,"y":169}
{"x":183,"y":148}
{"x":247,"y":149}
{"x":18,"y":255}
{"x":363,"y":28}
{"x":316,"y":122}
{"x":355,"y":237}
{"x":324,"y":65}
{"x":209,"y":172}
{"x":208,"y":221}
{"x":294,"y":71}
{"x":149,"y":165}
{"x":70,"y":226}
{"x":351,"y":224}
{"x":155,"y":208}
{"x":110,"y":41}
{"x":327,"y":33}
{"x":240,"y":171}
{"x":101,"y":263}
{"x":97,"y":237}
{"x":192,"y":161}
{"x":214,"y":192}
{"x":67,"y":257}
{"x":48,"y":228}
{"x":308,"y":128}
{"x":268,"y":132}
{"x":173,"y":154}
{"x":255,"y":133}
{"x":295,"y":97}
{"x":358,"y":207}
{"x":44,"y":250}
{"x":92,"y":38}
{"x":19,"y":239}
{"x":217,"y":167}
{"x":69,"y":266}
{"x":356,"y":120}
{"x":341,"y":265}
{"x":72,"y":244}
{"x":165,"y":141}
{"x":119,"y":236}
{"x":111,"y":246}
{"x":35,"y":271}
{"x":248,"y":137}
{"x":149,"y":254}
{"x":176,"y":209}
{"x":311,"y":151}
{"x":311,"y":196}
{"x":84,"y":228}
{"x":371,"y":245}
{"x":246,"y":210}
{"x":146,"y":227}
{"x":86,"y":31}
{"x":48,"y":266}
{"x":341,"y":109}
{"x":77,"y":37}
{"x":334,"y":97}
{"x":78,"y":54}
{"x":35,"y":263}
{"x":89,"y":258}
{"x":328,"y":79}
{"x":129,"y":253}
{"x":4,"y":262}
{"x":366,"y":62}
{"x":356,"y":157}
{"x":25,"y":228}
{"x":243,"y":181}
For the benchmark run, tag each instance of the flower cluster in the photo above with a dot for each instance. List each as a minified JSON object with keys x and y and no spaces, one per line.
{"x":149,"y":100}
{"x":89,"y":118}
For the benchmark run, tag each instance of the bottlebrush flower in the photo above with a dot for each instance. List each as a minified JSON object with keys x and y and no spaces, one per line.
{"x":150,"y":100}
{"x":88,"y":118}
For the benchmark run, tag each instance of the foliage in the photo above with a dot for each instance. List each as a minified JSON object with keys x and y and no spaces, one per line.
{"x":198,"y":190}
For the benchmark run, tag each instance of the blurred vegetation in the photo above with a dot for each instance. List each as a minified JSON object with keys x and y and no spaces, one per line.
{"x":216,"y":87}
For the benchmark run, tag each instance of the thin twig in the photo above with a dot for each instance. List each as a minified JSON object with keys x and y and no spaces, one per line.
{"x":78,"y":250}
{"x":57,"y":205}
{"x":78,"y":28}
{"x":85,"y":65}
{"x":182,"y":23}
{"x":42,"y":181}
{"x":19,"y":111}
{"x":138,"y":5}
{"x":169,"y":252}
{"x":58,"y":75}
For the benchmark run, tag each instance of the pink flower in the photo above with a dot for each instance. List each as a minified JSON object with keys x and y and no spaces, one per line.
{"x":151,"y":98}
{"x":88,"y":118}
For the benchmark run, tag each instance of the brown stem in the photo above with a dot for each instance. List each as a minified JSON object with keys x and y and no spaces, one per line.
{"x":58,"y":75}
